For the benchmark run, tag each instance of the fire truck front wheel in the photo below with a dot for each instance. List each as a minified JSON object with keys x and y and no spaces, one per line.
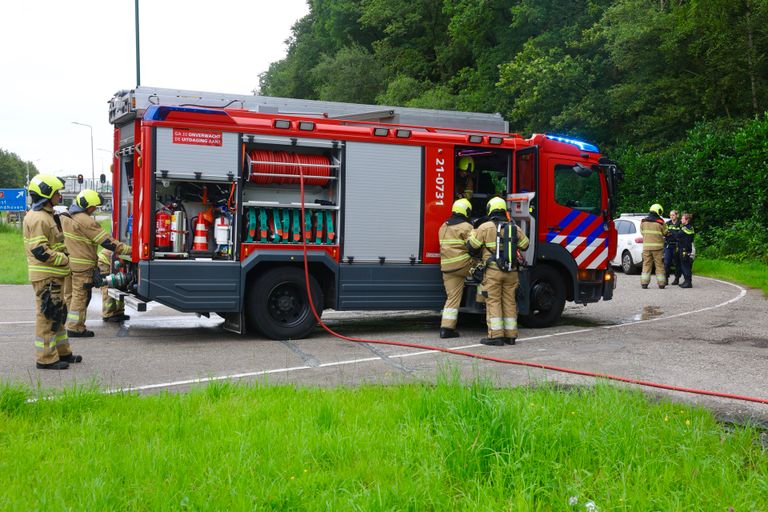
{"x":547,"y":297}
{"x":278,"y":305}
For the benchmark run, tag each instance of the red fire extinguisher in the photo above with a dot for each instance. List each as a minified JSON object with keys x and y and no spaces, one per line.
{"x":163,"y":230}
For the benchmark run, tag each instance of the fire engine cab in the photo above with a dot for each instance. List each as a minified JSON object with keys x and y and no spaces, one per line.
{"x":207,"y":190}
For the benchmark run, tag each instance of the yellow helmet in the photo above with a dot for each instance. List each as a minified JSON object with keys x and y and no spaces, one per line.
{"x":657,"y":209}
{"x":496,"y":203}
{"x":45,"y":185}
{"x":462,"y":207}
{"x":87,"y":198}
{"x":467,"y":163}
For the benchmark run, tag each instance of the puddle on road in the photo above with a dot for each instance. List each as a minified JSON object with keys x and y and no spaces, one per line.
{"x":648,"y":313}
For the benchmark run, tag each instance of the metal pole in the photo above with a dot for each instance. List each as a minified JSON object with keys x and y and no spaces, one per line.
{"x":138,"y":55}
{"x":93,"y":172}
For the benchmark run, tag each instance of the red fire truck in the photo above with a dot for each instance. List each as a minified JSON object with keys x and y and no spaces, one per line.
{"x":207,"y":191}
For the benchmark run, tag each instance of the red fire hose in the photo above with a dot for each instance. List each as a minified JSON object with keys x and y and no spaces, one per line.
{"x":498,"y":359}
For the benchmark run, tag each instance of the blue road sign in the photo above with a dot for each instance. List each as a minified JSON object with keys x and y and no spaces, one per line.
{"x":13,"y":199}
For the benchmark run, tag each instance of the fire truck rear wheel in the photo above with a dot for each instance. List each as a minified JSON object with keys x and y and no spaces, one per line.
{"x":547,"y":297}
{"x":278,"y":305}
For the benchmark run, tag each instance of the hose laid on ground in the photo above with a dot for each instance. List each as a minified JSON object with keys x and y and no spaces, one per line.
{"x":498,"y":359}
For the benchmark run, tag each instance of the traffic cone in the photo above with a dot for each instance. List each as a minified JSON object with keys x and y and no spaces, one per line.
{"x":201,"y":234}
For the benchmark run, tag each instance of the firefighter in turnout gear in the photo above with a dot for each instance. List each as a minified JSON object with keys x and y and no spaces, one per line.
{"x":48,"y":267}
{"x":500,"y":286}
{"x":83,"y":235}
{"x":653,"y":230}
{"x":455,"y":263}
{"x":672,"y":246}
{"x":686,"y":250}
{"x":111,"y":310}
{"x":465,"y":181}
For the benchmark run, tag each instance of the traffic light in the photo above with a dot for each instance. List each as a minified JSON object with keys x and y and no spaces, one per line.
{"x":103,"y":178}
{"x":80,"y":179}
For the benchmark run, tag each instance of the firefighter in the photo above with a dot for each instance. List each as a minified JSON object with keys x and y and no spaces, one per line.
{"x":465,"y":181}
{"x":83,"y":234}
{"x":653,"y":230}
{"x":672,"y":246}
{"x":48,"y":267}
{"x":112,"y":310}
{"x":455,"y":263}
{"x":686,"y":250}
{"x":499,"y":286}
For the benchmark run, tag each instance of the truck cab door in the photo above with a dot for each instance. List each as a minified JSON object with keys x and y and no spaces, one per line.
{"x":523,"y":197}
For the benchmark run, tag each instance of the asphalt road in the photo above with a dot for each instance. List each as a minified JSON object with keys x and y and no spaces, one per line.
{"x":712,"y":337}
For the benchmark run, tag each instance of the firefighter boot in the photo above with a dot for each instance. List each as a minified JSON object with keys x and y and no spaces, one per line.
{"x":116,"y":318}
{"x":71,"y":358}
{"x":686,"y":284}
{"x":80,"y":334}
{"x":58,"y":365}
{"x":494,"y":342}
{"x":510,"y":341}
{"x":644,"y":286}
{"x":445,"y":332}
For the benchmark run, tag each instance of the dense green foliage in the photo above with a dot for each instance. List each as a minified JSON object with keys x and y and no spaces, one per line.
{"x":676,"y":89}
{"x":411,"y":447}
{"x":13,"y":170}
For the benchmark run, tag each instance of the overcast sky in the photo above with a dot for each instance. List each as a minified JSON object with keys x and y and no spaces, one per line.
{"x":62,"y":60}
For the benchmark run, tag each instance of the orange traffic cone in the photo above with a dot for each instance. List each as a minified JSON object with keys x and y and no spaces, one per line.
{"x":201,"y":234}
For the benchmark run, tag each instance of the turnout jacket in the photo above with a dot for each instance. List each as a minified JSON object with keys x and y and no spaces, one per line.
{"x":82,"y":235}
{"x":653,"y":230}
{"x":44,"y":245}
{"x":453,"y":235}
{"x":485,"y":238}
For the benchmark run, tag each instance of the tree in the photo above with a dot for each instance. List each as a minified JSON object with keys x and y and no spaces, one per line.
{"x":13,"y":170}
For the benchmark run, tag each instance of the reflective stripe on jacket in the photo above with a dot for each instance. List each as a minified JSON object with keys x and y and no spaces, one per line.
{"x":83,"y":234}
{"x":485,"y":237}
{"x":44,"y":245}
{"x":653,"y":231}
{"x":453,"y":245}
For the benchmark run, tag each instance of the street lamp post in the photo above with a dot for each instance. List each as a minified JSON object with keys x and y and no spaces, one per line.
{"x":33,"y":161}
{"x":93,"y":172}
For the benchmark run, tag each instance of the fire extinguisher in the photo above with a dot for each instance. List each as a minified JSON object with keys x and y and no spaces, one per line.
{"x":163,"y":230}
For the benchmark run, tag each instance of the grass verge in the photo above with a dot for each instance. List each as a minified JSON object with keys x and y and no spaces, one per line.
{"x":751,"y":273}
{"x":13,"y":260}
{"x":408,"y":447}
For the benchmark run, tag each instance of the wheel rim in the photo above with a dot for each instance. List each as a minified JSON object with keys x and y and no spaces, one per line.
{"x":626,"y":263}
{"x":543,"y":297}
{"x":287,"y":304}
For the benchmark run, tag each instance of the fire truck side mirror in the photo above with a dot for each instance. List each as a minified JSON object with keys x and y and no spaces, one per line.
{"x":103,"y":178}
{"x":80,"y":178}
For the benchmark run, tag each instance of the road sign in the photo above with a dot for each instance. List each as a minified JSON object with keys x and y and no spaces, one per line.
{"x":13,"y":199}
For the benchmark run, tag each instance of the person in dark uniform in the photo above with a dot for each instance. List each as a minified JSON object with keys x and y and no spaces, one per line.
{"x":686,"y":250}
{"x":671,"y":247}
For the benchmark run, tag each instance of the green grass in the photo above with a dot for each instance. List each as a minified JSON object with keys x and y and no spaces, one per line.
{"x":408,"y":447}
{"x":13,"y":261}
{"x":751,"y":273}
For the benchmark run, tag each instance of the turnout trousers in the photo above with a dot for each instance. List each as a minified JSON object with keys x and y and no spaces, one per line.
{"x":500,"y":303}
{"x":109,"y":306}
{"x":454,"y":288}
{"x":51,"y":340}
{"x":78,"y":305}
{"x":653,"y":259}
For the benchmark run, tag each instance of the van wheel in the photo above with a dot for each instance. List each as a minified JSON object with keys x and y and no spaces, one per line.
{"x":278,"y":305}
{"x":627,"y":264}
{"x":547,"y":297}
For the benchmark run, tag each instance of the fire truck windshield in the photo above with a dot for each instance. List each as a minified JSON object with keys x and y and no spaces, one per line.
{"x":578,"y":191}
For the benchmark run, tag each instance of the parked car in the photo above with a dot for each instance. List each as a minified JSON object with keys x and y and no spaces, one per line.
{"x":629,"y":246}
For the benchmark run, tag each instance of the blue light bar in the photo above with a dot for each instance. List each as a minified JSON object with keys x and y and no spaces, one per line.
{"x":584,"y":146}
{"x":160,"y":112}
